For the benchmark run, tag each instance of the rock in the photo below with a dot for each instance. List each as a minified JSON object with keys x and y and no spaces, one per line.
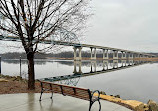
{"x":3,"y":80}
{"x":146,"y":108}
{"x":18,"y":78}
{"x":135,"y":105}
{"x":117,"y":96}
{"x":7,"y":76}
{"x":13,"y":79}
{"x":153,"y":106}
{"x":102,"y":92}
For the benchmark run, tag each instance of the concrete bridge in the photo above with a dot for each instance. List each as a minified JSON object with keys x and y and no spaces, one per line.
{"x":125,"y":54}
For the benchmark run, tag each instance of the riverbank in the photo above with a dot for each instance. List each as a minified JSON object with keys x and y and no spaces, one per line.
{"x":155,"y":59}
{"x":10,"y":85}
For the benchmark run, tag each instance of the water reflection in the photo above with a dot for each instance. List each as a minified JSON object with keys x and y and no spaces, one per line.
{"x":138,"y":83}
{"x":106,"y":66}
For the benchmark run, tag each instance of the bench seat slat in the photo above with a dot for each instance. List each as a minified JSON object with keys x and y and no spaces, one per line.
{"x":45,"y":82}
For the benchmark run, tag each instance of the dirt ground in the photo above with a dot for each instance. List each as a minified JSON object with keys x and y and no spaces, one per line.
{"x":17,"y":87}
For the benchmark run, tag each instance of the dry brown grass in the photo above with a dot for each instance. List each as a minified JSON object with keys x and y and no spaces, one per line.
{"x":17,"y":87}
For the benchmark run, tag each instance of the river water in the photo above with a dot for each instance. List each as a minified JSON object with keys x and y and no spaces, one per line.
{"x":137,"y":82}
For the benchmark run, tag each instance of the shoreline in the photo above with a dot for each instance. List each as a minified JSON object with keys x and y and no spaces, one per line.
{"x":89,"y":59}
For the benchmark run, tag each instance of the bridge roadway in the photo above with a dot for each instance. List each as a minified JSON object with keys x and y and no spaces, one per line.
{"x":95,"y":46}
{"x":78,"y":75}
{"x":76,"y":45}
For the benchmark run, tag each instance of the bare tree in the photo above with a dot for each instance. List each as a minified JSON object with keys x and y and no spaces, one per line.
{"x":34,"y":21}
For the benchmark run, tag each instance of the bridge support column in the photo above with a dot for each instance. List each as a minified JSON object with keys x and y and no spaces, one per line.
{"x":79,"y":58}
{"x":115,"y":54}
{"x":141,"y":56}
{"x":93,"y":57}
{"x":124,"y":55}
{"x":105,"y":54}
{"x":137,"y":56}
{"x":130,"y":56}
{"x":134,"y":56}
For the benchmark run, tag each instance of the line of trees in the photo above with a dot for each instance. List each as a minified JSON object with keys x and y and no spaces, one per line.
{"x":68,"y":54}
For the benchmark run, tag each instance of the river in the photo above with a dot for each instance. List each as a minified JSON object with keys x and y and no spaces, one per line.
{"x":137,"y":82}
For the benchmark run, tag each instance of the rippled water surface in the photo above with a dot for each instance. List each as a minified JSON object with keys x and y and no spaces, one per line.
{"x":138,"y":82}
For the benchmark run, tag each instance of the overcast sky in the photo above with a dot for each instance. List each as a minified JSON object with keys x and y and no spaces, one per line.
{"x":125,"y":24}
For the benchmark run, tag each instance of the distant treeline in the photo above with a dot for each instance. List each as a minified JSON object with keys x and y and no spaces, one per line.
{"x":68,"y":54}
{"x":16,"y":55}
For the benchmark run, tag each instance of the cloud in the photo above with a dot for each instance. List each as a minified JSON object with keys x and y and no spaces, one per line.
{"x":125,"y":24}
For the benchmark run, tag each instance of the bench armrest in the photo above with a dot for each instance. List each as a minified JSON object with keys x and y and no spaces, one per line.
{"x":96,"y":91}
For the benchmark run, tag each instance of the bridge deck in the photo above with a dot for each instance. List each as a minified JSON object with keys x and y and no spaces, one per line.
{"x":10,"y":38}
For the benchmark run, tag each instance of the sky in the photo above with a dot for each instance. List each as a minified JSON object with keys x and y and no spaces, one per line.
{"x":124,"y":24}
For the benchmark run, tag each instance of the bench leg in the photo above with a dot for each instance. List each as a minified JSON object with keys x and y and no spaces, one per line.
{"x":91,"y":103}
{"x":41,"y":95}
{"x":99,"y":105}
{"x":51,"y":96}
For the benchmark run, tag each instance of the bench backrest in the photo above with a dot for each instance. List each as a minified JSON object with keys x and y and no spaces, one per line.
{"x":81,"y":93}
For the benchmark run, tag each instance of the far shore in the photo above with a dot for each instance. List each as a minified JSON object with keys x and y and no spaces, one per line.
{"x":88,"y":58}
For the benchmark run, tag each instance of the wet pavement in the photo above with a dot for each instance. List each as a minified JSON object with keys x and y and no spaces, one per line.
{"x":30,"y":102}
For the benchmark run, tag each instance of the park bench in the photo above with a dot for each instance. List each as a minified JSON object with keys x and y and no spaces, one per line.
{"x":66,"y":90}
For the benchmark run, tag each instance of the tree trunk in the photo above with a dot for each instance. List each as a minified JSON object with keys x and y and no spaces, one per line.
{"x":31,"y":73}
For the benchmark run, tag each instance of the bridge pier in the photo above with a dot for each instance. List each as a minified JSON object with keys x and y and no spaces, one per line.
{"x":130,"y":55}
{"x":95,"y":54}
{"x":79,"y":57}
{"x":105,"y":54}
{"x":140,"y":56}
{"x":137,"y":56}
{"x":124,"y":55}
{"x":115,"y":54}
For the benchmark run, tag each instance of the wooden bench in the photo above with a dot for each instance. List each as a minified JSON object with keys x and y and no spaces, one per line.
{"x":66,"y":90}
